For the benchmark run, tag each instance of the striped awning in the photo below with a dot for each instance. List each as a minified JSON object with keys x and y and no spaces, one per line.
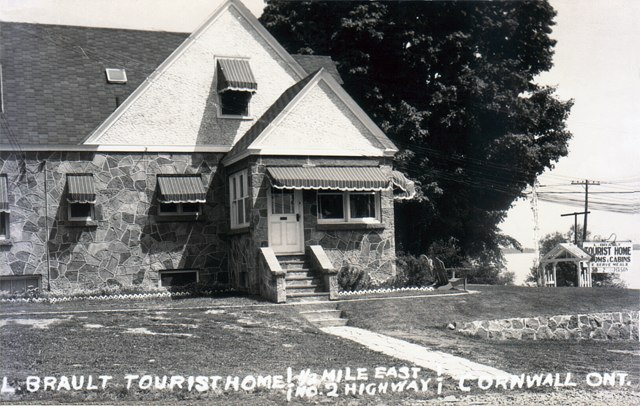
{"x":329,"y":178}
{"x":4,"y":194}
{"x":181,"y":189}
{"x":235,"y":74}
{"x":404,"y":188}
{"x":81,"y":188}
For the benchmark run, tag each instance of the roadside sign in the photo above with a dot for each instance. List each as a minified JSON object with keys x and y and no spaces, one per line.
{"x":609,"y":257}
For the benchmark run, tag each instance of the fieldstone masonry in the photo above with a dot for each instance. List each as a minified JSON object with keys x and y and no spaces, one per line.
{"x":127,"y":244}
{"x":593,"y":326}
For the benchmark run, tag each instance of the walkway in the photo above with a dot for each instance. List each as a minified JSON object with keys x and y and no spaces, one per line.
{"x":448,"y":364}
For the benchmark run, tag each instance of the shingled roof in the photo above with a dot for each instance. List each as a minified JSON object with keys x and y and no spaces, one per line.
{"x":54,"y":84}
{"x":55,"y":90}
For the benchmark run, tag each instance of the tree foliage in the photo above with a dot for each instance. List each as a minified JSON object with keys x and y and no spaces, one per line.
{"x":452,"y":84}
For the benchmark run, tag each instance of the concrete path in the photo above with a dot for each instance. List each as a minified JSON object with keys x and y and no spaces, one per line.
{"x":448,"y":364}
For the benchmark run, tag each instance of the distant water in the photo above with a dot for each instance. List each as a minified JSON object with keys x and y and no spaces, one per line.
{"x":520,"y":264}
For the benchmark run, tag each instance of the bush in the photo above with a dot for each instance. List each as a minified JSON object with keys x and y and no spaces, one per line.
{"x":413,"y":272}
{"x":352,"y":278}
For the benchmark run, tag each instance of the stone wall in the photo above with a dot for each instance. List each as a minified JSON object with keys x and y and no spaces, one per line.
{"x":594,"y":326}
{"x":127,"y":244}
{"x":368,"y":246}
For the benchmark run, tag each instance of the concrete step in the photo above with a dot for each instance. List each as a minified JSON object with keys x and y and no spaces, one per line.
{"x":330,"y":322}
{"x":314,"y":315}
{"x":301,"y":272}
{"x":307,"y":297}
{"x":302,"y":281}
{"x":291,"y":290}
{"x":309,"y":307}
{"x":294,"y":265}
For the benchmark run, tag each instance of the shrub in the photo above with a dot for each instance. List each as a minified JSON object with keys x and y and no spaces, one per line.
{"x":352,"y":277}
{"x":412,"y":271}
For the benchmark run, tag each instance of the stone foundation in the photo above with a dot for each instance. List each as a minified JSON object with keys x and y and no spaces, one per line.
{"x":593,"y":326}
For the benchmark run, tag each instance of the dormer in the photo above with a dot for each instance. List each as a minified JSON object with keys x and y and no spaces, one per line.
{"x":236,"y":85}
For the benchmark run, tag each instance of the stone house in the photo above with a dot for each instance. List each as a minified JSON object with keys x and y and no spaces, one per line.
{"x":149,"y":159}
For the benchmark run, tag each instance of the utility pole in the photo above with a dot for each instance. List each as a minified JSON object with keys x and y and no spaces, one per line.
{"x":575,"y":224}
{"x":586,"y":184}
{"x":536,"y":228}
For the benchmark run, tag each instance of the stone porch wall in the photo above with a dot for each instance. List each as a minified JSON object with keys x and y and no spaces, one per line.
{"x":127,"y":244}
{"x":594,"y":326}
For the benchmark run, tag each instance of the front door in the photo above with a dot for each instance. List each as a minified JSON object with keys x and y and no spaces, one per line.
{"x":286,"y":235}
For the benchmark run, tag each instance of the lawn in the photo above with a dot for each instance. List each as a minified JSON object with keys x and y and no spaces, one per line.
{"x":244,"y":336}
{"x":424,"y":321}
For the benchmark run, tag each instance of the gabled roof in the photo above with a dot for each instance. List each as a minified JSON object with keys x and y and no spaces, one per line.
{"x":268,"y":117}
{"x":248,"y":144}
{"x":54,"y":84}
{"x":566,"y":251}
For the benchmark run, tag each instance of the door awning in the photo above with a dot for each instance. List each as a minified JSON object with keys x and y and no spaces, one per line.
{"x":181,"y":189}
{"x":81,"y":188}
{"x":4,"y":194}
{"x":235,"y":74}
{"x":329,"y":178}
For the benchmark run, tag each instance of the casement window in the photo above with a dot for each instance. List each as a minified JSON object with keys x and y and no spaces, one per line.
{"x":180,"y":195}
{"x":236,"y":86}
{"x":179,"y":277}
{"x":348,"y":207}
{"x":19,"y":284}
{"x":81,"y":197}
{"x":239,"y":199}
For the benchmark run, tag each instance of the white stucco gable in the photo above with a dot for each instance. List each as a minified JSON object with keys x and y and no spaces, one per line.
{"x":320,"y":120}
{"x":178,"y":104}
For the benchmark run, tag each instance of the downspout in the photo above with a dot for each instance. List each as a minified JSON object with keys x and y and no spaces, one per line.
{"x":46,"y":225}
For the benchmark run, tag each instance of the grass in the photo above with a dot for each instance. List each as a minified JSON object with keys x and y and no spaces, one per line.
{"x":424,"y":321}
{"x":240,"y":336}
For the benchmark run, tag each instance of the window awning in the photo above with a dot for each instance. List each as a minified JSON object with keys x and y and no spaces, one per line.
{"x":181,"y":189}
{"x":4,"y":194}
{"x":235,"y":74}
{"x":406,"y":187}
{"x":81,"y":189}
{"x":329,"y":178}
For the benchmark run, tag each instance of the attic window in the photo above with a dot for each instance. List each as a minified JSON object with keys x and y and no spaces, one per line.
{"x":116,"y":75}
{"x":236,"y":85}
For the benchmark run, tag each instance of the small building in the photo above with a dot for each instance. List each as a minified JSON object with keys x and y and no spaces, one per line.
{"x":133,"y":158}
{"x":565,"y":253}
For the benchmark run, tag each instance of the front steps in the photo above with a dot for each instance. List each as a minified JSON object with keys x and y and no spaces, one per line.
{"x":301,"y":283}
{"x":322,"y":314}
{"x":304,"y":287}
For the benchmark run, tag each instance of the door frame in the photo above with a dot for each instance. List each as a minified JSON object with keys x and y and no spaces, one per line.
{"x":298,"y":211}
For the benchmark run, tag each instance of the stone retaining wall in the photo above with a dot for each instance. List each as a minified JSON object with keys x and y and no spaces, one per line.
{"x":593,"y":326}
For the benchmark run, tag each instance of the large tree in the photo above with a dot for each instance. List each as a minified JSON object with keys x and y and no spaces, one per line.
{"x":452,"y":84}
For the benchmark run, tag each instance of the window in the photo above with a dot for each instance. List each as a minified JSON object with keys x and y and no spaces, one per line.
{"x":239,"y":199}
{"x":178,"y":278}
{"x":235,"y":103}
{"x":81,"y":197}
{"x":19,"y":284}
{"x":236,"y":85}
{"x":4,"y":225}
{"x":4,"y":208}
{"x":181,"y":195}
{"x":180,"y":209}
{"x":116,"y":76}
{"x":81,"y":211}
{"x":356,"y":207}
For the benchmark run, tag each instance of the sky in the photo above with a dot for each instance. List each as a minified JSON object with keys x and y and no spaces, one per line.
{"x":596,"y":63}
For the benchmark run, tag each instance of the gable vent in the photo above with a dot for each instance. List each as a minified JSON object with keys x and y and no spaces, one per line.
{"x":116,"y":75}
